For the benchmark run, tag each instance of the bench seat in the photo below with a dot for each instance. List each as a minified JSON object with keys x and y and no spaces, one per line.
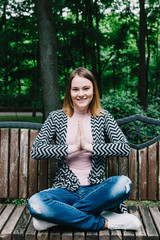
{"x":16,"y":224}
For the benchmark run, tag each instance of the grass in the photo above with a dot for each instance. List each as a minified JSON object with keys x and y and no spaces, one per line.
{"x":21,"y":119}
{"x":128,"y":202}
{"x":139,"y":203}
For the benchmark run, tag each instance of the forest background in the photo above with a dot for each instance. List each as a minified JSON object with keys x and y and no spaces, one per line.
{"x":42,"y":41}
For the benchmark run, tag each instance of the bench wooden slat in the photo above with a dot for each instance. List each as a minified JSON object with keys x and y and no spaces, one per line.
{"x":148,"y":223}
{"x":156,"y":217}
{"x":116,"y":235}
{"x":152,"y":159}
{"x":92,"y":235}
{"x":43,"y":176}
{"x":123,"y":166}
{"x":104,"y":235}
{"x":14,"y":158}
{"x":79,"y":235}
{"x":4,"y":163}
{"x":23,"y":168}
{"x":43,"y":235}
{"x":19,"y":232}
{"x":31,"y":233}
{"x":67,"y":235}
{"x":11,"y":223}
{"x":128,"y":235}
{"x":6,"y":214}
{"x":2,"y":207}
{"x":55,"y":234}
{"x":33,"y":167}
{"x":112,"y":166}
{"x":142,"y":160}
{"x":133,"y":172}
{"x":52,"y":171}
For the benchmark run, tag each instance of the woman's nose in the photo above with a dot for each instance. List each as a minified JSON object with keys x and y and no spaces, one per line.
{"x":80,"y":93}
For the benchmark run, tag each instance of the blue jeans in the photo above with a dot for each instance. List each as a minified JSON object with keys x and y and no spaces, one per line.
{"x":80,"y":209}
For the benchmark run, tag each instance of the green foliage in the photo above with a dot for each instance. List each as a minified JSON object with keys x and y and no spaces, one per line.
{"x":121,"y":103}
{"x":15,"y":201}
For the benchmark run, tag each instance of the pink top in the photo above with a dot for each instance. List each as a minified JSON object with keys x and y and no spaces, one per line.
{"x":79,"y":162}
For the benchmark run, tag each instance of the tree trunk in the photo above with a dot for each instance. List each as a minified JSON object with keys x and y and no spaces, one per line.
{"x":36,"y":79}
{"x":48,"y":55}
{"x":148,"y":57}
{"x":3,"y":19}
{"x":142,"y":84}
{"x":157,"y":61}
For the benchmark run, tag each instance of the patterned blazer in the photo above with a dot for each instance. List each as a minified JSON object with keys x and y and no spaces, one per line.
{"x":55,"y":128}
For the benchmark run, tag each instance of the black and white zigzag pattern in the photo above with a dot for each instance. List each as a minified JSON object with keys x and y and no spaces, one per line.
{"x":123,"y":208}
{"x":55,"y":127}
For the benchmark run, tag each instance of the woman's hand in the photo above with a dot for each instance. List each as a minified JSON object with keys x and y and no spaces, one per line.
{"x":76,"y":146}
{"x":80,"y":141}
{"x":84,"y":144}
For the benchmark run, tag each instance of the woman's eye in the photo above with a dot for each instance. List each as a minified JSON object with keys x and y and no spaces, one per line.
{"x":86,"y":88}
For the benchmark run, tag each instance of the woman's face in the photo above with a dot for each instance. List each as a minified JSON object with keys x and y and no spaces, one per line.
{"x":81,"y":93}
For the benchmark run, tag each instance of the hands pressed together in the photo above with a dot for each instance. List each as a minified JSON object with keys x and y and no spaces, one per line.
{"x":80,"y":141}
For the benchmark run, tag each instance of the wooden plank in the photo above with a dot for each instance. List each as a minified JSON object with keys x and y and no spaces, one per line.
{"x":152,"y":184}
{"x":14,"y":157}
{"x":4,"y":162}
{"x":6,"y":214}
{"x":55,"y":234}
{"x":92,"y":235}
{"x":106,"y":167}
{"x":52,"y":172}
{"x":79,"y":235}
{"x":159,"y":172}
{"x":43,"y":176}
{"x":140,"y":233}
{"x":123,"y":166}
{"x":148,"y":223}
{"x":104,"y":235}
{"x":128,"y":235}
{"x":23,"y":165}
{"x":67,"y":235}
{"x":31,"y":233}
{"x":112,"y":166}
{"x":133,"y":173}
{"x":156,"y":217}
{"x":43,"y":235}
{"x":19,"y":232}
{"x":116,"y":235}
{"x":2,"y":207}
{"x":33,"y":167}
{"x":12,"y":222}
{"x":142,"y":160}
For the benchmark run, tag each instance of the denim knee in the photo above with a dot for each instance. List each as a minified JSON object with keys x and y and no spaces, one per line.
{"x":127,"y":184}
{"x":33,"y":205}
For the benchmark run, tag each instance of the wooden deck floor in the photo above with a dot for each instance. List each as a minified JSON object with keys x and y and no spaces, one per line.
{"x":16,"y":224}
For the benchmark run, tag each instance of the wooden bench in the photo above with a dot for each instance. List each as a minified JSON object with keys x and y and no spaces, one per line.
{"x":21,"y":177}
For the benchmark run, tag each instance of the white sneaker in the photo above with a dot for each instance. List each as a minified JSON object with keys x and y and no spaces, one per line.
{"x":123,"y":221}
{"x":42,"y":225}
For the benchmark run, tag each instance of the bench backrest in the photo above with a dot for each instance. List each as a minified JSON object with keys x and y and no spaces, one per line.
{"x":21,"y":176}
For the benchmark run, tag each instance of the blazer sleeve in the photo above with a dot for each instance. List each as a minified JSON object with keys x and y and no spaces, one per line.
{"x":42,"y":147}
{"x":118,"y":145}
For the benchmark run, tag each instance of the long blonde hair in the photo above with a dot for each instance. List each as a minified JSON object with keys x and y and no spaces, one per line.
{"x":95,"y":106}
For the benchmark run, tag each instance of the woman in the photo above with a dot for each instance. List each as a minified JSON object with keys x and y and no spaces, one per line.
{"x":80,"y":192}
